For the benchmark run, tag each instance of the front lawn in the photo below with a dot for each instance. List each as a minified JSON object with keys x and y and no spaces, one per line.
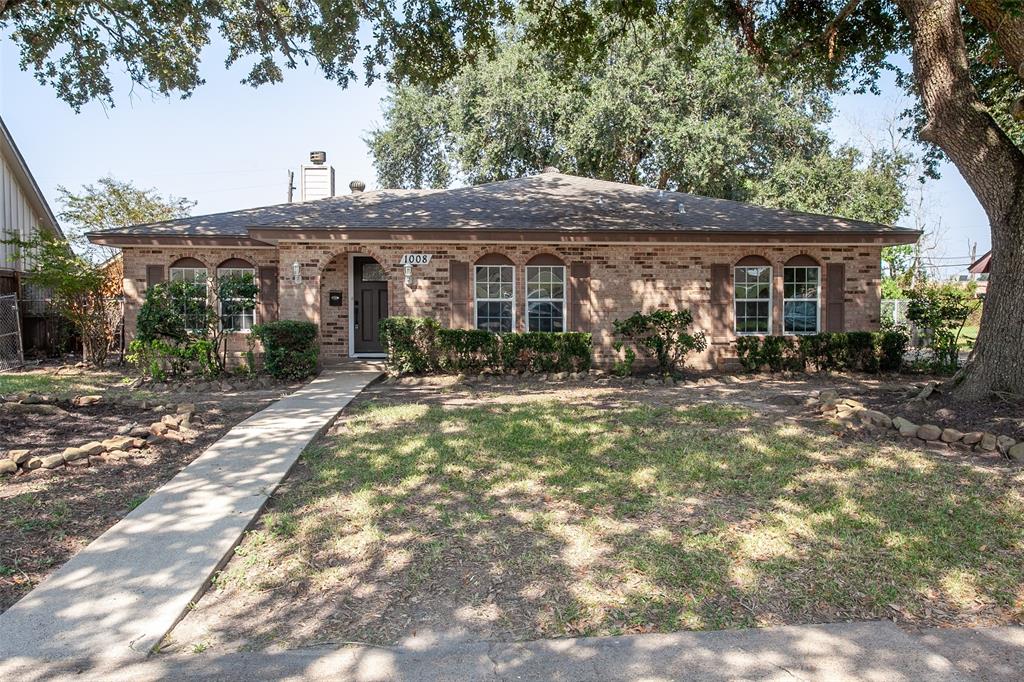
{"x":520,"y":513}
{"x":61,"y":382}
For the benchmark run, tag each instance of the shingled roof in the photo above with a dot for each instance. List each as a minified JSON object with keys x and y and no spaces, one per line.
{"x":550,"y":202}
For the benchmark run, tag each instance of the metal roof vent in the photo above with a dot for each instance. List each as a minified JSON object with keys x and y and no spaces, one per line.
{"x":549,"y":169}
{"x":318,"y":158}
{"x":682,"y":208}
{"x":356,"y":186}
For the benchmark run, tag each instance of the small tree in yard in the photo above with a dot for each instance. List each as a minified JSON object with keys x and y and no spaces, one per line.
{"x":79,"y":291}
{"x":663,"y":334}
{"x":179,"y":330}
{"x":941,"y":311}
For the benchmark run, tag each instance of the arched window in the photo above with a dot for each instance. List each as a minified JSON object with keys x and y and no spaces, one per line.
{"x":545,"y":294}
{"x":195,"y":299}
{"x":801,"y":295}
{"x":752,"y":295}
{"x":236,"y":315}
{"x":494,"y":290}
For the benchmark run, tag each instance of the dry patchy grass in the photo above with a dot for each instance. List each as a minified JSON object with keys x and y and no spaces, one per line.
{"x":495,"y":516}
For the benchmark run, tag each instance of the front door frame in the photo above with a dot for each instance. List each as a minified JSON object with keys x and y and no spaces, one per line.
{"x":352,"y":308}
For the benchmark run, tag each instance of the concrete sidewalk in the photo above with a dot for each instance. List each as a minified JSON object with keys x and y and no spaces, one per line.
{"x":876,"y":651}
{"x":114,"y":600}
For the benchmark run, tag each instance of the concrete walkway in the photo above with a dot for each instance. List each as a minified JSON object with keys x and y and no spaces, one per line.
{"x":877,"y":652}
{"x":117,"y":598}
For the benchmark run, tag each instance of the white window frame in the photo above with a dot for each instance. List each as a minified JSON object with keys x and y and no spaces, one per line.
{"x":816,"y":299}
{"x":528,"y":301}
{"x":476,"y":309}
{"x":735,"y":300}
{"x":229,"y":272}
{"x":182,"y":270}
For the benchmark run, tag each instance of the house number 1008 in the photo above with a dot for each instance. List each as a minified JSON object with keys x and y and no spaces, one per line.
{"x":415,"y":259}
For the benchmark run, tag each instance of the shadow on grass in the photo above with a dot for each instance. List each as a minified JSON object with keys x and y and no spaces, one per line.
{"x":429,"y":522}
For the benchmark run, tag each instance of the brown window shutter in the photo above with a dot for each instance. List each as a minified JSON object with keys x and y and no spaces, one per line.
{"x":579,"y":295}
{"x":721,"y":300}
{"x":154,"y":274}
{"x":268,"y":294}
{"x":458,"y":290}
{"x":835,"y":297}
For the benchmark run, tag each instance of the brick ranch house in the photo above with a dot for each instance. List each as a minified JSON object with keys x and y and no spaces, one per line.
{"x":545,"y":252}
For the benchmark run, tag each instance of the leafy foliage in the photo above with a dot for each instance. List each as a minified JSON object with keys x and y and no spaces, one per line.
{"x":78,"y":291}
{"x":663,"y":334}
{"x":826,"y":352}
{"x":420,"y":345}
{"x":180,"y":331}
{"x":113,"y":203}
{"x":290,"y":349}
{"x":74,"y":46}
{"x":940,"y":312}
{"x":711,"y":125}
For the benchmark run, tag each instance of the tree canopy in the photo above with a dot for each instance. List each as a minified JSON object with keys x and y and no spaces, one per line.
{"x":113,"y":203}
{"x":713,"y":126}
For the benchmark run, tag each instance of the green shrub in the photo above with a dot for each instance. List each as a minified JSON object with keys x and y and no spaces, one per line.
{"x":776,"y":353}
{"x":623,"y":367}
{"x":410,"y":343}
{"x":826,"y":352}
{"x":290,"y":349}
{"x":160,"y":358}
{"x":467,"y":350}
{"x":421,"y":345}
{"x":940,"y":312}
{"x":663,"y":334}
{"x":892,"y":349}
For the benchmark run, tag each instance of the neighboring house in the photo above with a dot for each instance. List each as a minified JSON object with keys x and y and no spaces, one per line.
{"x":24,"y":212}
{"x":548,"y":252}
{"x":980,"y":268}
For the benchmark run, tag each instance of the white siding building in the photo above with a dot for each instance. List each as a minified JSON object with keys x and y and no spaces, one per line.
{"x":23,"y":210}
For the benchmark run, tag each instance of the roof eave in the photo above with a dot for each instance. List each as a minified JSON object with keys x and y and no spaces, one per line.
{"x":265,"y":237}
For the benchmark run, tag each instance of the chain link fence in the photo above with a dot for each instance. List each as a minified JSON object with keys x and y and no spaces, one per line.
{"x":11,"y":354}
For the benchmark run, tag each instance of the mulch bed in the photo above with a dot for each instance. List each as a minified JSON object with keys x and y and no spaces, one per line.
{"x":1000,"y":417}
{"x":47,"y":516}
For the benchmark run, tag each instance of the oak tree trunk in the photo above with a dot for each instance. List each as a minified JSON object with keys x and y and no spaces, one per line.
{"x":993,"y":166}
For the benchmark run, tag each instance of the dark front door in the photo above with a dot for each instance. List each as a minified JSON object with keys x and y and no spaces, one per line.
{"x":370,"y":299}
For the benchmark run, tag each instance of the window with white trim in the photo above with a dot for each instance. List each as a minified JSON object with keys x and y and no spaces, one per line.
{"x":752,"y":294}
{"x":495,"y":297}
{"x":194,"y":307}
{"x":236,"y":316}
{"x":545,"y":298}
{"x":801,"y":287}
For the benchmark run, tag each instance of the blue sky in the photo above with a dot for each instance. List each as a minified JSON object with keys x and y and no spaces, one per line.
{"x":230,"y":146}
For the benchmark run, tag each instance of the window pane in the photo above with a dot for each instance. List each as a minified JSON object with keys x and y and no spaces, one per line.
{"x":545,"y":317}
{"x":801,"y":317}
{"x":800,"y":299}
{"x":494,"y":316}
{"x":373,"y":272}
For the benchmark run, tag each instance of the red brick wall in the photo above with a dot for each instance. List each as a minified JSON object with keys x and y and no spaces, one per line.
{"x":623,"y":279}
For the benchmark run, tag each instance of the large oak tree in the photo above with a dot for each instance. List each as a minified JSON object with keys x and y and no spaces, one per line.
{"x":968,"y":63}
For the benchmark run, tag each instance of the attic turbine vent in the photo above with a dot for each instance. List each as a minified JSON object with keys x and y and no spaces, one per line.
{"x":318,"y":158}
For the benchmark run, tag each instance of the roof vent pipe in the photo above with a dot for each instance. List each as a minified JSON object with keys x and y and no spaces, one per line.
{"x":357,"y":186}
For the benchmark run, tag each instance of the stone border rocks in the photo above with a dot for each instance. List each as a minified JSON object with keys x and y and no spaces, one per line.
{"x":854,"y":413}
{"x":130,"y":440}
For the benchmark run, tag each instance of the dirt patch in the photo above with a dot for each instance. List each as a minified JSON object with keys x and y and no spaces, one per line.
{"x":46,"y":516}
{"x":520,"y":509}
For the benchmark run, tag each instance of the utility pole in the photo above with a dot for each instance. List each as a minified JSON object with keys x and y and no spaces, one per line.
{"x":974,"y":255}
{"x":291,"y":185}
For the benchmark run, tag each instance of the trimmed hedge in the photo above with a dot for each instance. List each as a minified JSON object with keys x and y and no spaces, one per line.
{"x":421,"y":346}
{"x":290,"y":350}
{"x":826,"y":352}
